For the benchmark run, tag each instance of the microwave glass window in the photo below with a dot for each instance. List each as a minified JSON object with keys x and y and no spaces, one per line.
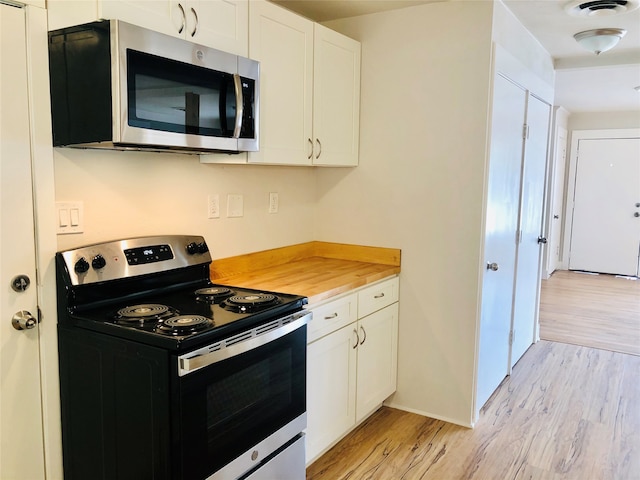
{"x":172,"y":96}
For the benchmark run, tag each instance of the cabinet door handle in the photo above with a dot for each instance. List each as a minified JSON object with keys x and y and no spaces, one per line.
{"x":330,"y":317}
{"x":195,"y":27}
{"x":357,"y":339}
{"x":380,"y":295}
{"x":364,"y":335}
{"x":311,"y":152}
{"x":319,"y":148}
{"x":184,"y":18}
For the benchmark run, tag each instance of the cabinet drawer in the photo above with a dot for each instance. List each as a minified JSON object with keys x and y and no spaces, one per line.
{"x":332,"y":316}
{"x":377,"y":296}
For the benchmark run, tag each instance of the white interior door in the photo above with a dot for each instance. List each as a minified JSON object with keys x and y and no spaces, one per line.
{"x":529,"y":250}
{"x":605,"y":233}
{"x":21,"y":441}
{"x":508,"y":117}
{"x":557,"y":207}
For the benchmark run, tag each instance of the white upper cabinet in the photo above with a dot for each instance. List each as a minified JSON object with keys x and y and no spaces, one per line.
{"x":309,"y":89}
{"x":283,"y":44}
{"x":336,"y":98}
{"x":221,"y":24}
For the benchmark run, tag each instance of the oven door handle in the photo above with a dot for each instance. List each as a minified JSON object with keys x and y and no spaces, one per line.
{"x":193,"y":361}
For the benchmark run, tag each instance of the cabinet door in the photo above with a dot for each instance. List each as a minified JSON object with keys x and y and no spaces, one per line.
{"x":160,"y":15}
{"x":336,"y":102}
{"x":331,"y":384}
{"x":377,"y":359}
{"x":221,"y":24}
{"x":283,"y":44}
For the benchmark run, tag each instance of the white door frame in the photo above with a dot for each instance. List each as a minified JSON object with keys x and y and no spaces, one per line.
{"x":576,"y":136}
{"x":556,"y":187}
{"x":45,"y":227}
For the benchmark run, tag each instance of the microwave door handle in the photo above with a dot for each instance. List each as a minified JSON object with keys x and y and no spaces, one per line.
{"x":237,"y":83}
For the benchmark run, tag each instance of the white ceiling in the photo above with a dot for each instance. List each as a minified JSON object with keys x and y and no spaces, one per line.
{"x":585,"y":82}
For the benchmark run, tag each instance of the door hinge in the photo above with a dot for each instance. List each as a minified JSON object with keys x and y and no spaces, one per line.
{"x":525,"y":131}
{"x":518,"y":236}
{"x":512,"y":335}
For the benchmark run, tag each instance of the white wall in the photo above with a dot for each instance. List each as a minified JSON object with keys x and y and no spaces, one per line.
{"x":426,"y":81}
{"x":419,"y":186}
{"x":604,"y":120}
{"x":128,"y":194}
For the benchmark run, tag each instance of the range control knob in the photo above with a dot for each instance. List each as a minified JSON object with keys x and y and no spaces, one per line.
{"x":192,"y":248}
{"x":202,"y":248}
{"x":98,"y":262}
{"x":81,"y":266}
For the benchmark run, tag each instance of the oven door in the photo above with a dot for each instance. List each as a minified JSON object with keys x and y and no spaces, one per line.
{"x":241,"y":401}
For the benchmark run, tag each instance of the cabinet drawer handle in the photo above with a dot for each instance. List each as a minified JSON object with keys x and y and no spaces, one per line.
{"x":319,"y":148}
{"x":357,"y":339}
{"x":195,"y":27}
{"x":311,"y":153}
{"x":330,"y":317}
{"x":184,"y":18}
{"x":364,"y":335}
{"x":380,"y":295}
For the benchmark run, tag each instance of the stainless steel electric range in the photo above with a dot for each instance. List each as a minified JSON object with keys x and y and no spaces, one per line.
{"x":164,"y":375}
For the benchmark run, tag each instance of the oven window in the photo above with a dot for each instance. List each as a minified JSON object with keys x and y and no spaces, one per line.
{"x":230,"y":406}
{"x":172,"y":96}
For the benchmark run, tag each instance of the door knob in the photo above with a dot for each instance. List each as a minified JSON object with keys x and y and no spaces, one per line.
{"x":556,"y":217}
{"x":542,"y":239}
{"x":23,"y":320}
{"x":636,"y":214}
{"x":492,"y":266}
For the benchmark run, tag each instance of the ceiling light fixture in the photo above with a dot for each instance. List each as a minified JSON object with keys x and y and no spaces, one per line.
{"x":600,"y":8}
{"x":600,"y":40}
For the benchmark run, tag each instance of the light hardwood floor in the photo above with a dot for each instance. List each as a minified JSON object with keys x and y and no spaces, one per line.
{"x":601,"y":311}
{"x":567,"y":412}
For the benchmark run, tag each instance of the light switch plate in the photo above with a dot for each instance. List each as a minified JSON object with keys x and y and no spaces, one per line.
{"x":213,"y":206}
{"x":273,"y":202}
{"x":70,"y":217}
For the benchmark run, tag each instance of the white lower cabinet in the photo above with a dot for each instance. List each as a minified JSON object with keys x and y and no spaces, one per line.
{"x":351,"y":362}
{"x":331,"y":389}
{"x":377,"y":360}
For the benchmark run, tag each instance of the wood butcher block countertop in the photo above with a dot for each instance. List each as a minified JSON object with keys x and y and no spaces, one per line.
{"x":317,"y":270}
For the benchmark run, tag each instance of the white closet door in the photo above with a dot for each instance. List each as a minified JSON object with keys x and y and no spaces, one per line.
{"x":605,"y":235}
{"x":529,"y":251}
{"x":508,"y":117}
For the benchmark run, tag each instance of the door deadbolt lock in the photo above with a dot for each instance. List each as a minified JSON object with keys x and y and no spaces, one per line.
{"x":20,"y":283}
{"x":492,"y":266}
{"x":23,"y":320}
{"x":542,"y":240}
{"x":636,"y":214}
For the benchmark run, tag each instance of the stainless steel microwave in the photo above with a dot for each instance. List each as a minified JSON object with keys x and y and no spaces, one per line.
{"x":115,"y":85}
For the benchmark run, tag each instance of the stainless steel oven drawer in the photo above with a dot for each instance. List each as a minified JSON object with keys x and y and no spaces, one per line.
{"x":288,"y":464}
